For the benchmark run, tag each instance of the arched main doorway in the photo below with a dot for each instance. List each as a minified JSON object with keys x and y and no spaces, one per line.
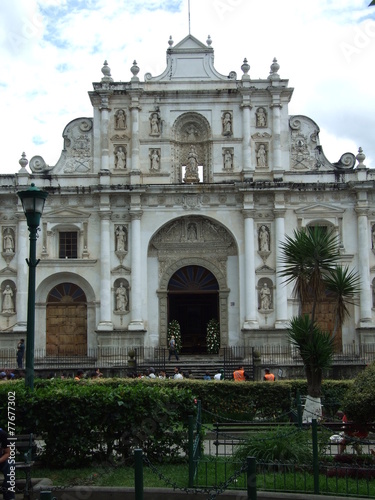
{"x":66,"y":321}
{"x":193,"y":300}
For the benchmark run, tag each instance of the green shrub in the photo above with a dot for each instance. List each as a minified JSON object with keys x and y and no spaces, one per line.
{"x":105,"y":419}
{"x":360,"y":398}
{"x":280,"y":445}
{"x":283,"y":444}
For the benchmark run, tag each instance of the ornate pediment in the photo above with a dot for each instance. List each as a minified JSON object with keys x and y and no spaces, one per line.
{"x":319,"y":210}
{"x":121,"y":270}
{"x":264,"y":270}
{"x":8,"y":271}
{"x":190,"y":60}
{"x":66,"y":215}
{"x":190,"y":231}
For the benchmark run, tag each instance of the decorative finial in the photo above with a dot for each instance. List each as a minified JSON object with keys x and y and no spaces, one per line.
{"x":360,"y":158}
{"x":23,"y":161}
{"x":209,"y":41}
{"x":170,"y":41}
{"x":135,"y":70}
{"x":245,"y":68}
{"x":106,"y":70}
{"x":275,"y":66}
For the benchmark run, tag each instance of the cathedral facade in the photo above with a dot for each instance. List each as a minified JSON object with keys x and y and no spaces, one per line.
{"x":170,"y":203}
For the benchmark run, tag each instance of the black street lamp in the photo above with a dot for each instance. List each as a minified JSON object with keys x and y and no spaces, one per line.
{"x":33,"y":200}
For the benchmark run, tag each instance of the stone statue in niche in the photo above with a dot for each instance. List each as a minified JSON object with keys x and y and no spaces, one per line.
{"x":120,"y":158}
{"x":121,"y":239}
{"x":8,"y":241}
{"x":121,"y":298}
{"x":155,"y":123}
{"x":261,"y":118}
{"x":228,"y":159}
{"x":8,"y":303}
{"x":262,"y":156}
{"x":154,"y":160}
{"x":120,"y":119}
{"x":265,"y":297}
{"x":192,"y":232}
{"x":227,"y":124}
{"x":191,"y":174}
{"x":191,"y":133}
{"x":264,"y":238}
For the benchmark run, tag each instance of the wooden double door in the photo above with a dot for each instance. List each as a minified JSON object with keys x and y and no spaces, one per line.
{"x":66,"y":321}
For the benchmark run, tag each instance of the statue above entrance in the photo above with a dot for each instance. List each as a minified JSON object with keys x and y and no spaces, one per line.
{"x":191,"y":173}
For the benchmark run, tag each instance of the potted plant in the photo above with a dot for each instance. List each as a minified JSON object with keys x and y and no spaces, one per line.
{"x":213,"y":336}
{"x":175,"y":329}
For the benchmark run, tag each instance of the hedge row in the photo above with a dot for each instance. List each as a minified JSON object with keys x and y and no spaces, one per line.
{"x":102,"y":419}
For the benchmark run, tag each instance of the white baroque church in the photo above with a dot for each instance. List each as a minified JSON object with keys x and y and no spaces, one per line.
{"x":170,"y":202}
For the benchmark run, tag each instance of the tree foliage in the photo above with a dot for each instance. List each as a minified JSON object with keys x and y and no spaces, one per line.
{"x":359,"y":403}
{"x":310,"y":261}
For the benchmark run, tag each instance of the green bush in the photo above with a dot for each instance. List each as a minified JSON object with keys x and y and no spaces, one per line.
{"x":280,"y":445}
{"x":284,"y":445}
{"x":360,"y":398}
{"x":103,"y":420}
{"x":106,"y":419}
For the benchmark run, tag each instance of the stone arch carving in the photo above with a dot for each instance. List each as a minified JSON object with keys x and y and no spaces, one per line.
{"x":191,"y":129}
{"x":223,"y":295}
{"x":187,"y":241}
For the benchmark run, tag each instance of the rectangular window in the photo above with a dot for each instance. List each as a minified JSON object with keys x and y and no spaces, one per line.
{"x":68,"y":245}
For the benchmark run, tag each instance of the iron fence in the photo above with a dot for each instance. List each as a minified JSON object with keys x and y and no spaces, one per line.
{"x":280,"y":355}
{"x":342,"y":466}
{"x":99,"y":357}
{"x":231,"y":357}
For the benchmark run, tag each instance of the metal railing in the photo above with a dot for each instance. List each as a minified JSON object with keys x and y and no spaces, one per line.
{"x":289,"y":355}
{"x":99,"y":357}
{"x":112,"y":357}
{"x":332,"y":469}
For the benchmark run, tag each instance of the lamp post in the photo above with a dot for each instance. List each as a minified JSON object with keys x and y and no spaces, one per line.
{"x":33,"y":200}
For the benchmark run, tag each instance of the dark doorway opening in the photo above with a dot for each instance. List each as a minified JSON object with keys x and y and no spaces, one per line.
{"x":193,"y":300}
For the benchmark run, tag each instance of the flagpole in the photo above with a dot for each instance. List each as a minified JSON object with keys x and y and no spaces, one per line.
{"x":189,"y":14}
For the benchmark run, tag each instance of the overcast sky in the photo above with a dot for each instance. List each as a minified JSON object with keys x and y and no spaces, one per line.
{"x":52,"y":50}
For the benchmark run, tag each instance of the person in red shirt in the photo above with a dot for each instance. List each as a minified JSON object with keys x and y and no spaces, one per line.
{"x":351,"y":430}
{"x":268,"y":376}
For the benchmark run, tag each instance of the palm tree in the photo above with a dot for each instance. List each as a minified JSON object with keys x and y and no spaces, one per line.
{"x":310,"y":262}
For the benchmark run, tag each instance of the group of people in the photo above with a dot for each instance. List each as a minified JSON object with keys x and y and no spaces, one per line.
{"x":6,"y":375}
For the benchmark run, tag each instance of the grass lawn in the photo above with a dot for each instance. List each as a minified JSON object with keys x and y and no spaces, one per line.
{"x":112,"y":476}
{"x":209,"y":476}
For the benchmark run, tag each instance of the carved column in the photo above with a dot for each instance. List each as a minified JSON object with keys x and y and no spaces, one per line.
{"x":246,"y":152}
{"x":276,"y":132}
{"x":135,"y":165}
{"x":136,"y":322}
{"x":364,"y":266}
{"x":281,"y":289}
{"x":250,"y":285}
{"x":104,"y":125}
{"x":105,"y":322}
{"x":22,"y":276}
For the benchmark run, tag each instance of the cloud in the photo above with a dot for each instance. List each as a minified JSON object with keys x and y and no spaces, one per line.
{"x":54,"y":49}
